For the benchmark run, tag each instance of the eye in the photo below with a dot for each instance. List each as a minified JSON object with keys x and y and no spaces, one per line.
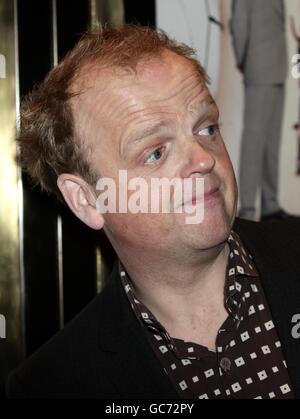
{"x":155,"y":156}
{"x":208,"y":131}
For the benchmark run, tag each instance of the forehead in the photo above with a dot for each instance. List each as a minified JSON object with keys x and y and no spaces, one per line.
{"x":122,"y":95}
{"x":164,"y":68}
{"x":167,"y":68}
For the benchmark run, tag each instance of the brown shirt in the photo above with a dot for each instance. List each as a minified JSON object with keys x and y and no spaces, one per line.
{"x":247,"y":361}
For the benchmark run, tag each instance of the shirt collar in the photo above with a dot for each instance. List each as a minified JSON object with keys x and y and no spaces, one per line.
{"x":240,"y":264}
{"x":240,"y":261}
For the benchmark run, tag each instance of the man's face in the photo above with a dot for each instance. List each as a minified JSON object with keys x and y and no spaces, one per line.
{"x":160,"y":122}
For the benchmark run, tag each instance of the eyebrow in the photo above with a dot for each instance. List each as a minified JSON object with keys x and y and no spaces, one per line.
{"x":150,"y":130}
{"x":202,"y":107}
{"x":143,"y":134}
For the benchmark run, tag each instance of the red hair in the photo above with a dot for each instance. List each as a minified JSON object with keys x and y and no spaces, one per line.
{"x":48,"y":142}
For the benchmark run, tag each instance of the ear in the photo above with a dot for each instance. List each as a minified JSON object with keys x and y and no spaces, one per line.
{"x":81,"y":199}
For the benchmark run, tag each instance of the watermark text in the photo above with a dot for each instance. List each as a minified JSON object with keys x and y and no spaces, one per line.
{"x":157,"y":196}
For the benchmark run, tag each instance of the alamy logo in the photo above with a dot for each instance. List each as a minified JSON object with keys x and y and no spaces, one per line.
{"x":159,"y":196}
{"x":2,"y":327}
{"x":296,"y":66}
{"x":296,"y":328}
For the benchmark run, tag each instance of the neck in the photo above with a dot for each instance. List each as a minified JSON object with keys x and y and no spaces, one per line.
{"x":181,"y":294}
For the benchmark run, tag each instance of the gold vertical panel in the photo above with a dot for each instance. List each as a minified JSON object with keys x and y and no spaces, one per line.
{"x":109,"y":12}
{"x":102,"y":269}
{"x":10,"y":290}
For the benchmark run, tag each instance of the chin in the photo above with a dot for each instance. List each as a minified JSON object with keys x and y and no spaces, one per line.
{"x":214,"y":230}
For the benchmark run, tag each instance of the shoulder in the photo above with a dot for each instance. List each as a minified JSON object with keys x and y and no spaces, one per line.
{"x":58,"y":368}
{"x":281,"y":229}
{"x":279,"y":239}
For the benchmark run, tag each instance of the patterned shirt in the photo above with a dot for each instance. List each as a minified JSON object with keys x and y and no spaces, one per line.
{"x":247,"y":362}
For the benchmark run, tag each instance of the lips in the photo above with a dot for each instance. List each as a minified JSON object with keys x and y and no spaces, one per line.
{"x":208,"y":195}
{"x":211,"y":193}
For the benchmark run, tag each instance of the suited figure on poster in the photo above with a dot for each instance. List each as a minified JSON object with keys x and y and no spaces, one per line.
{"x":259,"y":41}
{"x":296,"y":36}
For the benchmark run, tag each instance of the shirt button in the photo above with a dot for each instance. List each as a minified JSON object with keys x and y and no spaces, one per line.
{"x":225,"y":364}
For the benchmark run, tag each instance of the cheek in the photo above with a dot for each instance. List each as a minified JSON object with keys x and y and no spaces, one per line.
{"x":227,"y":177}
{"x":226,"y":169}
{"x":137,"y":228}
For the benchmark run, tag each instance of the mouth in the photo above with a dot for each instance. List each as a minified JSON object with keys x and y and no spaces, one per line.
{"x":209,"y":196}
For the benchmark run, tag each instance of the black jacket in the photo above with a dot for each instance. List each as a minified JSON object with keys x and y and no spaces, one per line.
{"x":103,"y":352}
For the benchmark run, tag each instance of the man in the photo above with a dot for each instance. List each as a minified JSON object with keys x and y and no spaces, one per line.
{"x":259,"y":40}
{"x":187,"y":312}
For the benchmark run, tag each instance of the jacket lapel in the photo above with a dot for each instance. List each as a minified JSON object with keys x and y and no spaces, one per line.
{"x":131,"y":361}
{"x":281,"y":282}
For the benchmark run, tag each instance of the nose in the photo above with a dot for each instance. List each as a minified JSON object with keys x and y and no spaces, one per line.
{"x":196,"y":159}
